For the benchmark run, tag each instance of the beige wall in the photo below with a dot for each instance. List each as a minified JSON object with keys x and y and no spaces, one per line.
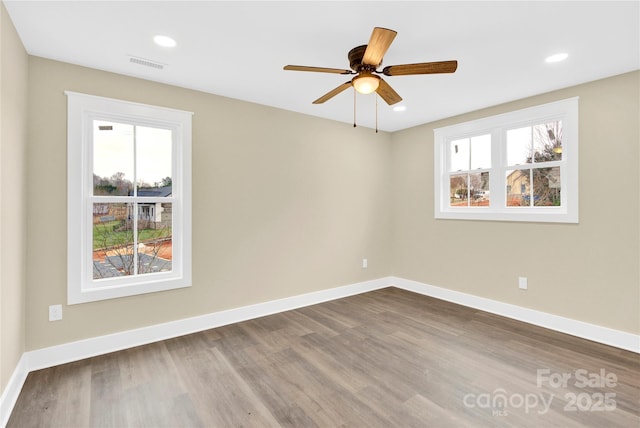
{"x":283,"y":204}
{"x":588,"y":272}
{"x":13,"y":143}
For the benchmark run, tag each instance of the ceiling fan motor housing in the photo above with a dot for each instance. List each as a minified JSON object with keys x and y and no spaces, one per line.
{"x":355,"y":60}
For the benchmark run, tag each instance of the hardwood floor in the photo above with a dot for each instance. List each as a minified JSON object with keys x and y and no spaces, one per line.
{"x":381,"y":359}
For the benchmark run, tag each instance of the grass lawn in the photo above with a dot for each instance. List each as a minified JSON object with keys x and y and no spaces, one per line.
{"x":105,"y":236}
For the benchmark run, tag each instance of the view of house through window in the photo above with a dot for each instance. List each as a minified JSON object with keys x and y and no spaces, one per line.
{"x":531,"y":152}
{"x":132,"y":189}
{"x":469,"y":179}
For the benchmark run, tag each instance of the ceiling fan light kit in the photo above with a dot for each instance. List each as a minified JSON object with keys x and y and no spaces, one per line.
{"x":365,"y":83}
{"x":364,"y":62}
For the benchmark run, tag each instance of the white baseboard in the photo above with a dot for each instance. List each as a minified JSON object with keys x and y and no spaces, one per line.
{"x":14,"y":386}
{"x":74,"y":351}
{"x":607,"y":336}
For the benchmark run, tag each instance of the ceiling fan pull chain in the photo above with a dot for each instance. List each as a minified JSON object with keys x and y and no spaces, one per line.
{"x":354,"y":107}
{"x":376,"y":95}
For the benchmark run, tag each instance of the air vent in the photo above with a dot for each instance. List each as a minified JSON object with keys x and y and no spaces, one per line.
{"x":146,"y":62}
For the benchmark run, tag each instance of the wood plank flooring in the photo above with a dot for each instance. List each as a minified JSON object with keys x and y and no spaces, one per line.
{"x":388,"y":358}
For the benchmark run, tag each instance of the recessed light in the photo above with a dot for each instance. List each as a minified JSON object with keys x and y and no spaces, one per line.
{"x":399,"y":108}
{"x":557,"y":57}
{"x":164,"y":41}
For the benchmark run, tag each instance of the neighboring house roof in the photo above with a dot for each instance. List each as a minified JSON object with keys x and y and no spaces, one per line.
{"x":158,"y":192}
{"x":513,"y":173}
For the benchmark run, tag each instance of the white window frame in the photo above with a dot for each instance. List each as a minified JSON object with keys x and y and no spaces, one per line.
{"x":82,"y":109}
{"x":564,"y":110}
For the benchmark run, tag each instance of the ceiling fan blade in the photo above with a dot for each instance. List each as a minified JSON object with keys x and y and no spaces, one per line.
{"x":379,"y":42}
{"x":317,"y":69}
{"x":387,"y":93}
{"x":421,"y":68}
{"x":333,"y":93}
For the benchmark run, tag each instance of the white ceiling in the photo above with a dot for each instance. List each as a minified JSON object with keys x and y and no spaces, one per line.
{"x":237,"y":49}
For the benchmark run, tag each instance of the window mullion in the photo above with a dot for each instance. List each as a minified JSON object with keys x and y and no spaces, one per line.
{"x":135,"y":236}
{"x":135,"y":201}
{"x":497,"y":173}
{"x":468,"y":187}
{"x":531,"y":192}
{"x":469,"y":195}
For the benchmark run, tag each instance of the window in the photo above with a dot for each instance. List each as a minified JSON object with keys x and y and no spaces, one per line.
{"x":128,"y":198}
{"x":518,"y":166}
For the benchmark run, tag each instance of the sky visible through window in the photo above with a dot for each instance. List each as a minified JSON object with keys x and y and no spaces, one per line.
{"x":468,"y":154}
{"x":113,"y":152}
{"x":471,"y":153}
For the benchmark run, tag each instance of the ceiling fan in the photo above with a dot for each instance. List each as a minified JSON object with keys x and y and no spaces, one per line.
{"x":364,"y":62}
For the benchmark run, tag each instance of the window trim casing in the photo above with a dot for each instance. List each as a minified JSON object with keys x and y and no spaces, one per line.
{"x":82,"y":109}
{"x":565,"y":110}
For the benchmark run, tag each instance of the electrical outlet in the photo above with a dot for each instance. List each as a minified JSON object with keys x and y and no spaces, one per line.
{"x":523,"y":283}
{"x":364,"y":263}
{"x":55,"y":312}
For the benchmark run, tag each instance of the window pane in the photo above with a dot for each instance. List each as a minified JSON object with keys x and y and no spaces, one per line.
{"x":479,"y":189}
{"x":481,"y":152}
{"x":519,"y":146}
{"x":547,"y":142}
{"x":518,"y":188}
{"x":112,"y":158}
{"x":153,"y":161}
{"x":459,"y":191}
{"x":546,"y":186}
{"x":460,"y":155}
{"x":112,"y":240}
{"x":154,"y":238}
